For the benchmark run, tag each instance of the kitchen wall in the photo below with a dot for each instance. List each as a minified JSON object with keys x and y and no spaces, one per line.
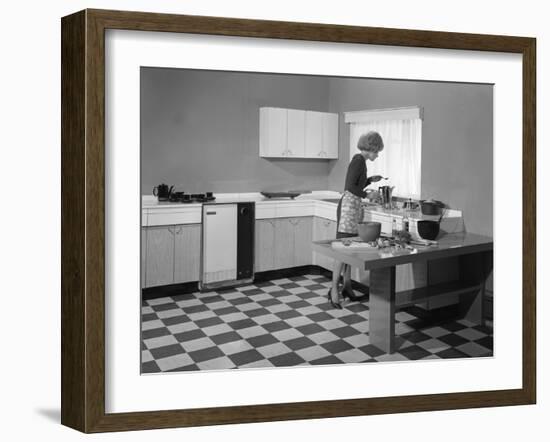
{"x":200,"y":130}
{"x":457,"y":139}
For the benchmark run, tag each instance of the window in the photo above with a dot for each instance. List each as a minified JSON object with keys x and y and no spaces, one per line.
{"x":400,"y":161}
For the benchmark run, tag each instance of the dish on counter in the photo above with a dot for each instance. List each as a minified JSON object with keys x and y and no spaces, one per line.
{"x":290,"y":195}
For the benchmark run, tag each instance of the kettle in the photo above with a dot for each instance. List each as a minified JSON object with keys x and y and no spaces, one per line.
{"x":385,"y":195}
{"x":162,"y":191}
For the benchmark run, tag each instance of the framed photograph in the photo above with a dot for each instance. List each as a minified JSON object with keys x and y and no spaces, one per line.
{"x":267,"y":221}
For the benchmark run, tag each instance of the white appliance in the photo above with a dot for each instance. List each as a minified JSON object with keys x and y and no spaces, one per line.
{"x":227,"y":244}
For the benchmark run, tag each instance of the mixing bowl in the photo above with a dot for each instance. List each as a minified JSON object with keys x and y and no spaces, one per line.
{"x":369,"y":231}
{"x":428,"y":229}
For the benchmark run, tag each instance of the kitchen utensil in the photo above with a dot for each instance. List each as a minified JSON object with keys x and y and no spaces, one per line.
{"x":176,"y":196}
{"x":428,"y":229}
{"x":291,"y":195}
{"x":431,"y":207}
{"x":162,"y":191}
{"x":386,"y":195}
{"x":410,"y":205}
{"x":369,"y":231}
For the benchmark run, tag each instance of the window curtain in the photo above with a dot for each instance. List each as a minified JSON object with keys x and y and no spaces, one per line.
{"x":400,"y":160}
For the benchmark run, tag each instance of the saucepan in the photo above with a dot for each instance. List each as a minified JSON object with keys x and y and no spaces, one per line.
{"x":431,"y":207}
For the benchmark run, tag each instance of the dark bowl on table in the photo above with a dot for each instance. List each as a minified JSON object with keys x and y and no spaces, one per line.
{"x":428,"y":229}
{"x":369,"y":231}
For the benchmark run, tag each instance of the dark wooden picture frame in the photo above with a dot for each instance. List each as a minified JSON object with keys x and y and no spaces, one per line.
{"x":83,"y":220}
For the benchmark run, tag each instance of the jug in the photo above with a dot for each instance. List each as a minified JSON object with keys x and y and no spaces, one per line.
{"x":385,"y":195}
{"x":162,"y":191}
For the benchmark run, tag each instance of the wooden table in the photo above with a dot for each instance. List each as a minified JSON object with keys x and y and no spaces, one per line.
{"x":475,"y":260}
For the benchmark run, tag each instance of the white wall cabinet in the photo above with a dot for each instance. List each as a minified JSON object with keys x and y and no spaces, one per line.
{"x":294,"y":133}
{"x":314,"y":134}
{"x":273,"y":132}
{"x":330,"y":136}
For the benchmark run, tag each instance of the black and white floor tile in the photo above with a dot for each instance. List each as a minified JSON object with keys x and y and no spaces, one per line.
{"x":287,"y":322}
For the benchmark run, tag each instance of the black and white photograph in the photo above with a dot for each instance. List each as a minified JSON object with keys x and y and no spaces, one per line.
{"x":276,"y":221}
{"x":305,"y":220}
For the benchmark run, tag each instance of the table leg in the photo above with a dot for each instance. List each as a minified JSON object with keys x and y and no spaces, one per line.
{"x":475,"y":269}
{"x":382,"y":308}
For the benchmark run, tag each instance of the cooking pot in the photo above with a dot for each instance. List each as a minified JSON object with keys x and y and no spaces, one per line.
{"x":431,"y":207}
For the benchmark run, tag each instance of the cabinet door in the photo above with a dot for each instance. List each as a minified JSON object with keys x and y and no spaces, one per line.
{"x":314,"y":134}
{"x":263,"y":245}
{"x":273,"y":132}
{"x":326,"y":229}
{"x":295,"y":133}
{"x":160,"y":256}
{"x":303,"y":233}
{"x":284,"y":243}
{"x":330,"y":136}
{"x":143,"y":255}
{"x":187,"y":253}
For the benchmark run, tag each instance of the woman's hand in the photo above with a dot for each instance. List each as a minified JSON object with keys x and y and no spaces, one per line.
{"x":375,"y":178}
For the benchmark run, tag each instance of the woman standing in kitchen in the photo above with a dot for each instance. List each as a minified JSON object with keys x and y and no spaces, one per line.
{"x":350,"y":212}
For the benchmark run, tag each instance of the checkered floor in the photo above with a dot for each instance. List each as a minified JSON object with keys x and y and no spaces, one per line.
{"x":287,"y":322}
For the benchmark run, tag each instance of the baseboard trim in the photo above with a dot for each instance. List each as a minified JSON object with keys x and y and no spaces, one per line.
{"x":193,"y":286}
{"x":169,"y":290}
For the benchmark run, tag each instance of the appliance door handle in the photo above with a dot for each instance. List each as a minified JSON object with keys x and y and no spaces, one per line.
{"x":210,"y":213}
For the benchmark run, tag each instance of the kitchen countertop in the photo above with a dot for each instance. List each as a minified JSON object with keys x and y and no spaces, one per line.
{"x":149,"y":201}
{"x":317,"y":203}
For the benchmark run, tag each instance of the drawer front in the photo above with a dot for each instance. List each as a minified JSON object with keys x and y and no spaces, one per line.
{"x":171,"y":217}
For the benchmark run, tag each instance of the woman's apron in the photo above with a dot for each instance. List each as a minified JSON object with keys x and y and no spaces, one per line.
{"x":351,"y":213}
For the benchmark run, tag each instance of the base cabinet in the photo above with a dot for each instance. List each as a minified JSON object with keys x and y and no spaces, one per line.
{"x":283,"y":243}
{"x":159,"y":256}
{"x":170,"y":254}
{"x":143,"y":255}
{"x":264,"y":242}
{"x":303,"y":235}
{"x":187,"y":253}
{"x":323,"y":229}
